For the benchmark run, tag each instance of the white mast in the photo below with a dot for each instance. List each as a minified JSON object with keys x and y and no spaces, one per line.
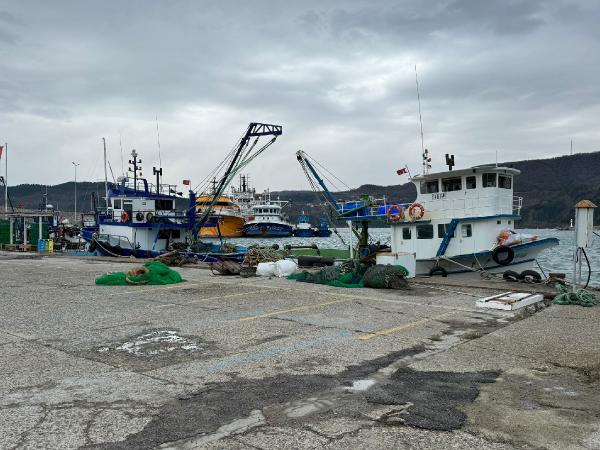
{"x":6,"y":177}
{"x":424,"y":151}
{"x":105,"y":175}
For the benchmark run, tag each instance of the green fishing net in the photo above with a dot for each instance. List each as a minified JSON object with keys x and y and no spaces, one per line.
{"x":152,"y":273}
{"x":356,"y":275}
{"x":580,"y":297}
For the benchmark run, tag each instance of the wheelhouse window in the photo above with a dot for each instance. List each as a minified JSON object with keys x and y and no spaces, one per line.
{"x":430,"y":187}
{"x":451,"y":184}
{"x":466,"y":230}
{"x":471,"y":182}
{"x":443,"y":229}
{"x":424,"y":231}
{"x":504,"y":182}
{"x":164,"y":205}
{"x":117,"y":203}
{"x":489,"y":180}
{"x":406,"y":233}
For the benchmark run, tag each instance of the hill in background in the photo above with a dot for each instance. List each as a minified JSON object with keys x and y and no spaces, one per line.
{"x":550,"y":188}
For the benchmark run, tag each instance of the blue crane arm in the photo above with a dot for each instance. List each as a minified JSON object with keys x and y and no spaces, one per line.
{"x":301,"y":156}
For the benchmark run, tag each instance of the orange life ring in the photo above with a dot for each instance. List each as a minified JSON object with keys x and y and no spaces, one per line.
{"x":398,"y":215}
{"x":124,"y":216}
{"x":419,"y":215}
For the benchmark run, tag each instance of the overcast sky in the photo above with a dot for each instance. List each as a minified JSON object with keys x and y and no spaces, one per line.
{"x":518,"y":77}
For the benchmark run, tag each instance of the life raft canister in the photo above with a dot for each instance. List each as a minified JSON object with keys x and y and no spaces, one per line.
{"x":124,"y":216}
{"x":395,"y":216}
{"x":414,"y":215}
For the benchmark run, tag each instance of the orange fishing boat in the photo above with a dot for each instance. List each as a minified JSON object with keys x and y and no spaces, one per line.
{"x":226,"y":217}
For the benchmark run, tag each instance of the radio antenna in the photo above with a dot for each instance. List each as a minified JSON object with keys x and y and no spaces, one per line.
{"x":424,"y":151}
{"x":158,"y":142}
{"x":121,"y":145}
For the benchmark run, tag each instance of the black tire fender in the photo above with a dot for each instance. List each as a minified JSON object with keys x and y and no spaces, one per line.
{"x":139,"y":216}
{"x":511,"y":275}
{"x":503,"y":255}
{"x":93,"y":246}
{"x":438,"y":270}
{"x":531,"y":276}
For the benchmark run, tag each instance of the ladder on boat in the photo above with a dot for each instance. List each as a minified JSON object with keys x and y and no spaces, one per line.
{"x":451,"y":228}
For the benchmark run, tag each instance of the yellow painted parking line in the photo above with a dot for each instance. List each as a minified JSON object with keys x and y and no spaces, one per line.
{"x":300,"y":308}
{"x":167,"y":305}
{"x":237,"y":294}
{"x":405,"y":326}
{"x":161,"y":288}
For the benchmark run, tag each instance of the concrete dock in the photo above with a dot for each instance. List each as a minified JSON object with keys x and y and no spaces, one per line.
{"x":230,"y":363}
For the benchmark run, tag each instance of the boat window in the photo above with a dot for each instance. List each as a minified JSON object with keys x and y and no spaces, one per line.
{"x":504,"y":182}
{"x":164,"y":205}
{"x":451,"y":184}
{"x":471,"y":182}
{"x":175,"y":234}
{"x":424,"y":231}
{"x":117,"y":203}
{"x":489,"y":180}
{"x":466,"y":230}
{"x":406,"y":233}
{"x":442,"y":228}
{"x":430,"y":187}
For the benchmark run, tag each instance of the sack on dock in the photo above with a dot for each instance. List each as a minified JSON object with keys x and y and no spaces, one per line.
{"x":285,"y":268}
{"x":265,"y":269}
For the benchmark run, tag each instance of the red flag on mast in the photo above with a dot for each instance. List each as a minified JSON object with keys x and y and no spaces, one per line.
{"x":1,"y":149}
{"x":186,"y":182}
{"x":402,"y":171}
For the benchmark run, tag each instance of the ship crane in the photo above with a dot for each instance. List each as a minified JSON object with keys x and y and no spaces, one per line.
{"x":245,"y":150}
{"x":356,"y":210}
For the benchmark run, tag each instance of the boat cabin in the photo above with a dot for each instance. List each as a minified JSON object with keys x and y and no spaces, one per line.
{"x":456,"y":212}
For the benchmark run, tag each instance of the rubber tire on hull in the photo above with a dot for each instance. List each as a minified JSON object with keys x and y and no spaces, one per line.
{"x":438,"y":270}
{"x":531,"y":276}
{"x":511,"y":275}
{"x":93,"y":246}
{"x":503,"y":255}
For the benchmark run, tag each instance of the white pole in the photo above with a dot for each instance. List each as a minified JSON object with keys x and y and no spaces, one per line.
{"x":75,"y":165}
{"x":105,"y":175}
{"x":351,"y":246}
{"x":6,"y":177}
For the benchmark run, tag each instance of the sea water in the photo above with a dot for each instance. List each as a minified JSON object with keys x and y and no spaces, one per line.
{"x":556,"y":259}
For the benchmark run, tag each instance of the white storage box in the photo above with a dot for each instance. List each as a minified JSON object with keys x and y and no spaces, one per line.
{"x":408,"y":260}
{"x":510,"y":300}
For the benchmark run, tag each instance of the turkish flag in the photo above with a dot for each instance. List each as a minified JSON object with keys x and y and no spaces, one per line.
{"x":402,"y":171}
{"x":1,"y":149}
{"x":186,"y":182}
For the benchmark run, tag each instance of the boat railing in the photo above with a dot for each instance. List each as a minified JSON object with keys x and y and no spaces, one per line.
{"x":375,"y":209}
{"x":517,"y":205}
{"x":132,"y":216}
{"x":111,"y":238}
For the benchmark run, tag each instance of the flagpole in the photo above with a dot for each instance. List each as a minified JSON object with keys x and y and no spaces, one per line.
{"x":5,"y":177}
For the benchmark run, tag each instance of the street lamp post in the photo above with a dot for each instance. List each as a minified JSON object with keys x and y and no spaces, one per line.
{"x":75,"y":166}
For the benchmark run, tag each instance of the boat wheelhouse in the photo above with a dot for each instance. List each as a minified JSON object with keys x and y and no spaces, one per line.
{"x":225,"y":220}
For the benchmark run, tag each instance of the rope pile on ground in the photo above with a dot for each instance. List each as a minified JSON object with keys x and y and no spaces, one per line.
{"x":581,"y":297}
{"x":256,"y":255}
{"x":356,"y":275}
{"x":152,"y":273}
{"x":175,"y":258}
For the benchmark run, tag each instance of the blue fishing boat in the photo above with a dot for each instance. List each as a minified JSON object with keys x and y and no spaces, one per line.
{"x":323,"y":228}
{"x":267,"y":219}
{"x":304,"y":228}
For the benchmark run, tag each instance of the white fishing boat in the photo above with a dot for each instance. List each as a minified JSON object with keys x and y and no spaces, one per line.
{"x":267,"y":219}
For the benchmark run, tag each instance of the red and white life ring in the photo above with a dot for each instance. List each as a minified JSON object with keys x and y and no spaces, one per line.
{"x":395,"y":216}
{"x":416,"y":215}
{"x":124,"y":216}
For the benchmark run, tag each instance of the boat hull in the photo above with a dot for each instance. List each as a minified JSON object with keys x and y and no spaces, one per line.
{"x":266,"y":229}
{"x":229,"y":226}
{"x":323,"y":233}
{"x":304,"y":232}
{"x":525,"y":256}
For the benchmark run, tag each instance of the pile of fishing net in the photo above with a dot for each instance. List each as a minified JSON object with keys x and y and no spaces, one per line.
{"x":152,"y":273}
{"x":353,"y":274}
{"x":580,"y":297}
{"x":256,"y":255}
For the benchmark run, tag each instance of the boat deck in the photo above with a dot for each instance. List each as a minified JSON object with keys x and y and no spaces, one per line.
{"x":225,"y":362}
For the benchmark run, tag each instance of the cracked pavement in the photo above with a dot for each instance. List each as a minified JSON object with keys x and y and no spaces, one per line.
{"x":224,"y":362}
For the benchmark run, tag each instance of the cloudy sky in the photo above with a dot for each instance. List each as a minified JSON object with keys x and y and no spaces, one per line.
{"x":517,"y":77}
